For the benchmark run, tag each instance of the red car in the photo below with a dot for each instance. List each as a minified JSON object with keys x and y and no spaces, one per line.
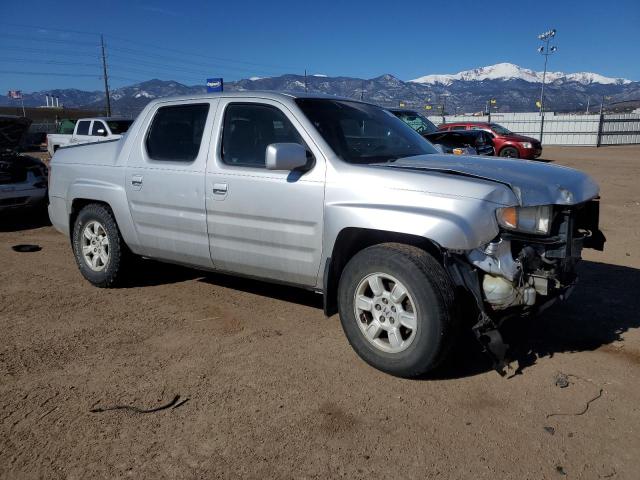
{"x":505,"y":142}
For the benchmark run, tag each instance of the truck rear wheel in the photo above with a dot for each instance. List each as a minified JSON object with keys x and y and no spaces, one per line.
{"x":98,"y":247}
{"x":397,"y":309}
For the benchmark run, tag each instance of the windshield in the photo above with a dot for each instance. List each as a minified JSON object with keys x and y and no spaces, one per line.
{"x":499,"y":129}
{"x":416,"y":121}
{"x":362,"y":133}
{"x":118,"y":127}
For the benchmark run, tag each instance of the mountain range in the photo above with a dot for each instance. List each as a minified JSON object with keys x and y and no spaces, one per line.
{"x":515,"y":89}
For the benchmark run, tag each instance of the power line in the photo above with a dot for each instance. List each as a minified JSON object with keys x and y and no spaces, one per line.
{"x":56,"y":74}
{"x":157,"y":67}
{"x":55,"y":52}
{"x":136,"y":55}
{"x":75,"y":43}
{"x":45,"y":28}
{"x":150,"y":75}
{"x":200,"y":55}
{"x":48,"y":62}
{"x":206,"y":56}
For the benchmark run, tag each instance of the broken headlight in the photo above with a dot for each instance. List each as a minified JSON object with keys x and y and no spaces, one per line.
{"x":536,"y":220}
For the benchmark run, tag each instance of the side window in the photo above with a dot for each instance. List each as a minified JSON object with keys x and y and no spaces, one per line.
{"x":175,"y":133}
{"x":459,"y":127}
{"x":83,"y":128}
{"x":97,"y":125}
{"x":249,"y":128}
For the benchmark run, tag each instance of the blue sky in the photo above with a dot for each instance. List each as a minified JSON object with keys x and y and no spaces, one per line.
{"x":188,"y":40}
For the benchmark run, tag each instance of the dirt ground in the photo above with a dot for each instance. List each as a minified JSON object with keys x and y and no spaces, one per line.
{"x":275,"y":391}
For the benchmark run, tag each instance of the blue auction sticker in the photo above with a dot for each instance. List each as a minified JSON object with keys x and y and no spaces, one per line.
{"x":214,"y":85}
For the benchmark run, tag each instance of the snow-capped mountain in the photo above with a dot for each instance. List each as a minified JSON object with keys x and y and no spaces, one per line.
{"x":509,"y":71}
{"x":515,"y":89}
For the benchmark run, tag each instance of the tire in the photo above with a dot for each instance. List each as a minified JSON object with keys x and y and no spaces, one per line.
{"x":510,"y":152}
{"x":111,"y":257}
{"x":430,"y":298}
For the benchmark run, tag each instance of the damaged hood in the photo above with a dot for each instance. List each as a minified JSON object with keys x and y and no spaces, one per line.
{"x":533,"y":183}
{"x":12,"y":129}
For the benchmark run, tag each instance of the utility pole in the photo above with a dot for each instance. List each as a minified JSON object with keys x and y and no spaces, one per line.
{"x":106,"y":78}
{"x":362,"y":91}
{"x":546,"y":51}
{"x":305,"y":80}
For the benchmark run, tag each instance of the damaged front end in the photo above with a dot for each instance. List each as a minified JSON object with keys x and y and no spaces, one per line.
{"x":527,"y":267}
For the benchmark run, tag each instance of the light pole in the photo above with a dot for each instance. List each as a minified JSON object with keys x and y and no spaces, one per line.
{"x":545,"y":50}
{"x":604,"y":97}
{"x":444,"y":105}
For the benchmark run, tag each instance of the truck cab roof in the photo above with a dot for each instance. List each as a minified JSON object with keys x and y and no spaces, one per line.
{"x":264,"y":94}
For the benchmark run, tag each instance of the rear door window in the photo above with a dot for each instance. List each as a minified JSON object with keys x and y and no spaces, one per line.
{"x":176,"y":132}
{"x":83,"y":127}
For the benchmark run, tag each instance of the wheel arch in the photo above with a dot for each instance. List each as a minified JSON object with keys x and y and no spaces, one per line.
{"x":108,"y":192}
{"x":77,"y":204}
{"x":121,"y":215}
{"x":352,"y":240}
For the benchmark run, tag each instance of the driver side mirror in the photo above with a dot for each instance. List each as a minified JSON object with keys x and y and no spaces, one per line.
{"x":285,"y":156}
{"x":102,"y":132}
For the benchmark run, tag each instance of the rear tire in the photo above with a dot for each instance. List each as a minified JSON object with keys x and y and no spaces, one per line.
{"x":98,"y":247}
{"x":510,"y":152}
{"x":407,"y":338}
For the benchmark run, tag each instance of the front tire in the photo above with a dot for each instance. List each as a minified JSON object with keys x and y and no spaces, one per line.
{"x":397,"y":310}
{"x":99,"y":250}
{"x":510,"y":152}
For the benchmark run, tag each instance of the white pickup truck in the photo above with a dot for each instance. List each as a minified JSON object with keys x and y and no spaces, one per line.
{"x":89,"y":130}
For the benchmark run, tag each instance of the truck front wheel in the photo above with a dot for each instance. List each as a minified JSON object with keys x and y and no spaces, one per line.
{"x":397,"y":309}
{"x":98,"y":247}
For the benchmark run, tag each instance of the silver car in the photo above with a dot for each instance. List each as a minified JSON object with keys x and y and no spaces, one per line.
{"x":336,"y":196}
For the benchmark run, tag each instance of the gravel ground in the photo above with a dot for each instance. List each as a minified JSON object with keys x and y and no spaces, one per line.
{"x":274,"y":391}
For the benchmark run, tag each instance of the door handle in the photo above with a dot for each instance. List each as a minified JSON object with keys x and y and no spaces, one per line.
{"x":220,"y":188}
{"x":136,"y":180}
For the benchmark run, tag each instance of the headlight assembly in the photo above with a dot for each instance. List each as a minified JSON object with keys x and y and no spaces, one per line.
{"x":525,"y":144}
{"x":536,"y":220}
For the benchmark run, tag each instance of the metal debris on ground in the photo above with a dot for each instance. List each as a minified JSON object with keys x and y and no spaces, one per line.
{"x":562,"y":380}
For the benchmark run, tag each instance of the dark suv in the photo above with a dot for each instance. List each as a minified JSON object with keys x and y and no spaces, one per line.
{"x":462,"y":142}
{"x":505,"y":142}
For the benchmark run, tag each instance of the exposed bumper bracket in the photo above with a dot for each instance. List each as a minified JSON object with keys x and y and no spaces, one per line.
{"x":492,"y":344}
{"x":485,"y":329}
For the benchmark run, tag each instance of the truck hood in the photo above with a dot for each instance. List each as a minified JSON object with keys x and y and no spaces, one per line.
{"x":533,"y":183}
{"x":12,"y":129}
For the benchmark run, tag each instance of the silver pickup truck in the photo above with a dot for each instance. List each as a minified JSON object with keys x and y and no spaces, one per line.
{"x":336,"y":196}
